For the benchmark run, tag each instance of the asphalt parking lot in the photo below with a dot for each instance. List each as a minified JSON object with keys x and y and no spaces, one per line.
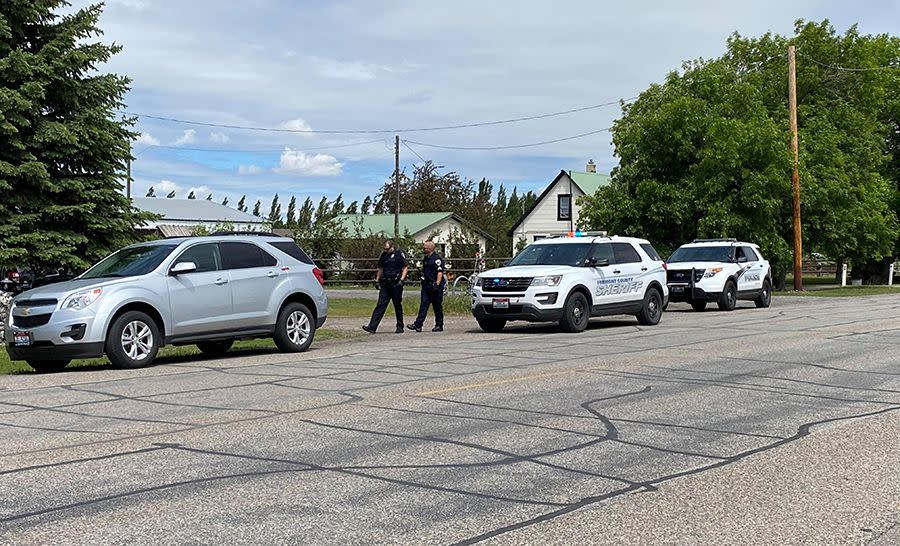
{"x":777,"y":425}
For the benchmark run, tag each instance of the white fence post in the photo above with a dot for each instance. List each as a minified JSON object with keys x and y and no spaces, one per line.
{"x":844,"y":275}
{"x":891,"y":274}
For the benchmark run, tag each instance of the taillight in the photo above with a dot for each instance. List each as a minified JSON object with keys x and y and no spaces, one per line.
{"x":319,"y":276}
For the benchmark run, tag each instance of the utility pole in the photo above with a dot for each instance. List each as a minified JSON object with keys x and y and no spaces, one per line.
{"x":795,"y":175}
{"x":397,"y":187}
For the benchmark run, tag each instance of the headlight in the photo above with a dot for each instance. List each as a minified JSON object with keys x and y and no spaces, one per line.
{"x":80,"y":300}
{"x":712,"y":272}
{"x":552,"y":280}
{"x":478,"y":281}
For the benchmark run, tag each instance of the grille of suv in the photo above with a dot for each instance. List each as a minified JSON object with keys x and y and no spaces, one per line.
{"x":36,"y":303}
{"x":683,"y":275}
{"x":32,"y":321}
{"x":512,"y":284}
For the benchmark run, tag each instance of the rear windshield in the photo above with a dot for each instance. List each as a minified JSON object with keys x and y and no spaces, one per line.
{"x":701,"y":254}
{"x":654,"y":255}
{"x":572,"y":254}
{"x":291,"y":249}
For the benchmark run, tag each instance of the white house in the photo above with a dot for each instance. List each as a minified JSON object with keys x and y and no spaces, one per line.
{"x":181,"y":216}
{"x":440,"y":227}
{"x":556,"y":209}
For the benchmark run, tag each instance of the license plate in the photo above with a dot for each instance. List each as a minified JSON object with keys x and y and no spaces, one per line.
{"x":677,"y":289}
{"x":501,"y":303}
{"x":22,"y":339}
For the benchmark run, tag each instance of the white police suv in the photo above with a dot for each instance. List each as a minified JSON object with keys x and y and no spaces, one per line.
{"x":719,"y":270}
{"x":570,"y":279}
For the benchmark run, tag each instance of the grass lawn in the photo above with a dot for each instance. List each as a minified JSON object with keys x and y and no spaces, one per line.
{"x":172,"y":353}
{"x":362,"y":307}
{"x":844,"y":292}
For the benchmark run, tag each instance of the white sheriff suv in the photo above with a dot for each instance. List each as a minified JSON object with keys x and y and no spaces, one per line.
{"x":570,"y":279}
{"x":719,"y":270}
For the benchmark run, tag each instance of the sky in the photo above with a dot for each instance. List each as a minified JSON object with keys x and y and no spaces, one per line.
{"x":378,"y":66}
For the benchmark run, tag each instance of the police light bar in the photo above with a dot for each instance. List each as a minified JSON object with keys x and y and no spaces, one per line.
{"x":580,"y":233}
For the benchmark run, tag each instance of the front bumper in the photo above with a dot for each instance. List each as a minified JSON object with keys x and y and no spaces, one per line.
{"x":527,"y":312}
{"x":48,"y":351}
{"x":320,"y":322}
{"x":536,"y":304}
{"x":687,"y":293}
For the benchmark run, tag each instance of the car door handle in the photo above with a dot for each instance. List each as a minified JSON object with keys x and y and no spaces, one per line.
{"x":271,"y":274}
{"x":221,"y":281}
{"x":643,"y":269}
{"x":617,"y":271}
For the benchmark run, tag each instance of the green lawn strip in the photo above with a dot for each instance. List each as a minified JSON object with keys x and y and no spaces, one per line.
{"x":844,"y":292}
{"x":172,"y":353}
{"x":362,"y":307}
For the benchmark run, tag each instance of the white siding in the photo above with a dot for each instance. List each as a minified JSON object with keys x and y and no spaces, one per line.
{"x":542,"y":220}
{"x":443,"y":230}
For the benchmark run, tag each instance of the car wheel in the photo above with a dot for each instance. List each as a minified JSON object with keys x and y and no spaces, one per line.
{"x":48,"y":366}
{"x":215,"y":348}
{"x":133,"y":340}
{"x":698,"y":305}
{"x":728,"y":299}
{"x":576,"y":313}
{"x":651,"y":310}
{"x":765,"y":297}
{"x":295,"y":328}
{"x":491,"y":325}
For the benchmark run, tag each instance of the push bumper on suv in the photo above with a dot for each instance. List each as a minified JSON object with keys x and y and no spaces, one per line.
{"x":525,"y":311}
{"x":682,"y":284}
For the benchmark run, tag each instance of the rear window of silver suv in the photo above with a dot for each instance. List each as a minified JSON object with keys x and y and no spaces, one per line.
{"x":291,"y":249}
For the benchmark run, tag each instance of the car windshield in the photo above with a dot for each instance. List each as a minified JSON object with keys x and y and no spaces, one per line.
{"x":130,"y":262}
{"x":701,"y":254}
{"x":572,"y":254}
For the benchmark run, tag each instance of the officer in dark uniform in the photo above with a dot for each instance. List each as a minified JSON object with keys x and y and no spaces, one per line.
{"x":392,"y":270}
{"x":432,"y":289}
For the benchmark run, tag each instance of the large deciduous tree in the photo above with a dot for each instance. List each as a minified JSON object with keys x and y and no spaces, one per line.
{"x":62,"y":148}
{"x":706,"y":152}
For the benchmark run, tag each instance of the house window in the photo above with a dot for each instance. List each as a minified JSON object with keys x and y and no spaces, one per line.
{"x":564,"y":207}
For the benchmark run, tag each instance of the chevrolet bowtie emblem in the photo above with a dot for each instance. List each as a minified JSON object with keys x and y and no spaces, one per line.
{"x":26,"y":312}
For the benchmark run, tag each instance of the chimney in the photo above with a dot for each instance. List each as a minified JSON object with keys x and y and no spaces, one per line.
{"x":591,"y":167}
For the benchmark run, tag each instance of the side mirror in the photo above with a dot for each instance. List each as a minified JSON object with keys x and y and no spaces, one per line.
{"x":183,"y":267}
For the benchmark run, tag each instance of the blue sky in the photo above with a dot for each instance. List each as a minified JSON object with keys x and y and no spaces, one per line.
{"x":362,"y":64}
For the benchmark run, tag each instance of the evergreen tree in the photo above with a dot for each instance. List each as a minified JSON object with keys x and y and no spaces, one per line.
{"x":305,"y":218}
{"x":367,"y":205}
{"x":514,"y":207}
{"x":209,"y":197}
{"x":337,"y":207}
{"x":225,"y":202}
{"x":274,"y":217}
{"x":501,"y":201}
{"x":242,"y":203}
{"x":170,"y":195}
{"x":353,"y":208}
{"x":63,"y":145}
{"x":323,"y":210}
{"x":151,"y":192}
{"x":256,"y":209}
{"x":291,"y":221}
{"x":191,"y":195}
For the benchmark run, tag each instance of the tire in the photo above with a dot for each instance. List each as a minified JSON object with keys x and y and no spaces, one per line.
{"x":576,"y":313}
{"x":295,"y":329}
{"x":698,"y":305}
{"x":215,"y":348}
{"x":728,"y":299}
{"x":133,"y":340}
{"x":652,"y":308}
{"x":491,"y":325}
{"x":765,"y":297}
{"x":48,"y":366}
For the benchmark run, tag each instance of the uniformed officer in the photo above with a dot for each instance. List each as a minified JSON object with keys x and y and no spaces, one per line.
{"x":432,"y":289}
{"x":392,"y":270}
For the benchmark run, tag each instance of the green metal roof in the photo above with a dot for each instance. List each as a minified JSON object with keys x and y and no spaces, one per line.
{"x":383,"y":224}
{"x":589,"y":182}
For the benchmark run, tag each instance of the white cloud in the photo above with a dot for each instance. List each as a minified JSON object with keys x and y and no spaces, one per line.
{"x":147,"y":139}
{"x":297,"y":124}
{"x":249,"y":169}
{"x":188,"y":137}
{"x":165,"y":187}
{"x":219,"y":137}
{"x":300,"y":163}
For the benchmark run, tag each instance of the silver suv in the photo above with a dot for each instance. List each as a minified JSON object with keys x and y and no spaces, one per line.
{"x":206,"y":291}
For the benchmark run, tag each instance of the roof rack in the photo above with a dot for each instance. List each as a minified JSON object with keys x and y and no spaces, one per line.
{"x":258,"y":233}
{"x":722,"y":240}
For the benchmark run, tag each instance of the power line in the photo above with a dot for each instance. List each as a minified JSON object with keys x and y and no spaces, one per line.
{"x":848,"y":69}
{"x":413,"y":151}
{"x":513,"y":146}
{"x":377,"y":131}
{"x":261,"y":151}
